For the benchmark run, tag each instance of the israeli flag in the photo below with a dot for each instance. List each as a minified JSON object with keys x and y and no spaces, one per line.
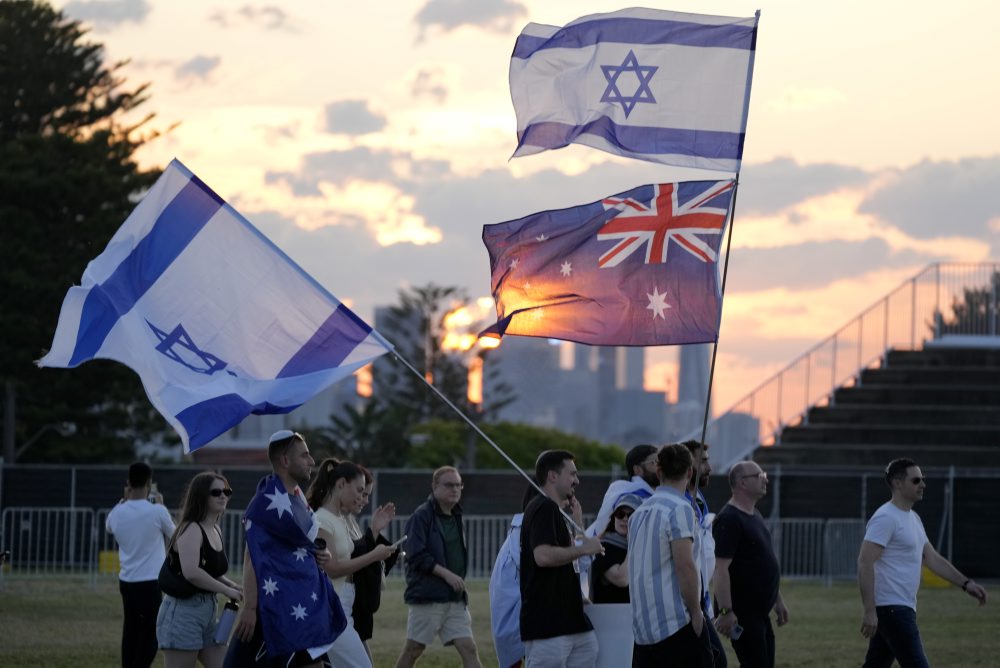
{"x":661,"y":86}
{"x":217,"y":321}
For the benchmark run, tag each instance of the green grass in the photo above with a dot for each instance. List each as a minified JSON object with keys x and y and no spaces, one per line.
{"x":63,"y":623}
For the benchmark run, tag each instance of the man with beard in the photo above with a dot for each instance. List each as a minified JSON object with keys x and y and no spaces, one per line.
{"x":700,"y":479}
{"x":291,"y":614}
{"x":894,"y":549}
{"x":554,"y":628}
{"x":640,"y":463}
{"x":747,"y":575}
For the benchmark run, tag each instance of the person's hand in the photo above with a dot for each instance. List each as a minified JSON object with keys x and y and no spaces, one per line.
{"x":455,"y":582}
{"x":974,"y":590}
{"x":782,"y":612}
{"x":576,"y":510}
{"x":698,"y":622}
{"x":246,"y":622}
{"x":591,"y":545}
{"x":322,"y":556}
{"x":383,"y":552}
{"x":869,"y":623}
{"x":724,"y":623}
{"x":382,"y":516}
{"x":233,"y":594}
{"x":158,"y":497}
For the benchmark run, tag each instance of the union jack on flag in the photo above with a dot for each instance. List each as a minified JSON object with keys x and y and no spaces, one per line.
{"x":554,"y":275}
{"x":654,"y":226}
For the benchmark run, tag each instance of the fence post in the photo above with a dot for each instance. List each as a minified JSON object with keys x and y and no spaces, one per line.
{"x":951,"y":509}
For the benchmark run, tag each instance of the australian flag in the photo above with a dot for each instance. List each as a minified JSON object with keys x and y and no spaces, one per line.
{"x":635,"y":269}
{"x":297,"y":605}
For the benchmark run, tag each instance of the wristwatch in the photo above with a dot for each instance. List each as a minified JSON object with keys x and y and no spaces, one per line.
{"x":724,"y":611}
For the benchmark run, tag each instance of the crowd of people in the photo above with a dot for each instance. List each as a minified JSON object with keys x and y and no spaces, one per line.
{"x":313,"y":579}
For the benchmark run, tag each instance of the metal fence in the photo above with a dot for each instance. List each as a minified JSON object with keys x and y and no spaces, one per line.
{"x":72,"y":543}
{"x":942,"y":300}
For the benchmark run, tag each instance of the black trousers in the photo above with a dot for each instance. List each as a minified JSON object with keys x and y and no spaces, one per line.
{"x":755,"y":647}
{"x":683,"y":648}
{"x":140,"y":603}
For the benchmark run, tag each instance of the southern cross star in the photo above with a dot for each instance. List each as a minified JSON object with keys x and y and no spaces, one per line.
{"x":643,"y":74}
{"x":657,"y":303}
{"x":270,"y":586}
{"x":300,"y":554}
{"x":298,"y":612}
{"x":567,"y":268}
{"x":280,"y":502}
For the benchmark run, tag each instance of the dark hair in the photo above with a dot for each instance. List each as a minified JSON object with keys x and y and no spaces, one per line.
{"x":277,"y":449}
{"x":330,"y":471}
{"x":194,"y":505}
{"x":674,"y":460}
{"x":369,"y":478}
{"x":550,"y":460}
{"x":529,"y":493}
{"x":636,"y":456}
{"x":897,"y":469}
{"x":693,"y":446}
{"x":139,"y":475}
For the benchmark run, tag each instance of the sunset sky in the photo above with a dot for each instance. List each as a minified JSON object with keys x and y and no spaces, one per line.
{"x":371,"y":142}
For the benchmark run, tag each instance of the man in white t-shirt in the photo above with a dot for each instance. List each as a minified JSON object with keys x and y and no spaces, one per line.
{"x":894,"y":549}
{"x":142,"y":530}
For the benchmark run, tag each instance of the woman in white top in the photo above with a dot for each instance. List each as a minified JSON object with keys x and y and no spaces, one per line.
{"x":335,"y":494}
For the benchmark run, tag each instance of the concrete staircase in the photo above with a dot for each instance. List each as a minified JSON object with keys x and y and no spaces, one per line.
{"x":940,"y":406}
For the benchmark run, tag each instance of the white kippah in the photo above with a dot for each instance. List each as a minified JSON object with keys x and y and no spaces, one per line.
{"x":281,"y":435}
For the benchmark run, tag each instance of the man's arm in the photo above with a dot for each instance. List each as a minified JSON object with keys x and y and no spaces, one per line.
{"x":941,"y":566}
{"x":870,"y":553}
{"x":724,"y":596}
{"x":550,"y":556}
{"x":247,"y":620}
{"x":682,"y":550}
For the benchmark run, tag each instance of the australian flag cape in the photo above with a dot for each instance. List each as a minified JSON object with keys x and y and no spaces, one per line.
{"x":296,"y":603}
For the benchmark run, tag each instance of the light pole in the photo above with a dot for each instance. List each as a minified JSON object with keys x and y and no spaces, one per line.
{"x":61,"y":428}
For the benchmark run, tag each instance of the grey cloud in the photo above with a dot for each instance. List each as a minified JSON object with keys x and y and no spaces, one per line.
{"x":198,"y":67}
{"x":430,"y":83}
{"x":940,"y":199}
{"x":812,"y":264}
{"x":268,"y":17}
{"x":337,"y":167}
{"x":106,"y":14}
{"x":352,"y":117}
{"x":769,"y":187}
{"x":493,"y":15}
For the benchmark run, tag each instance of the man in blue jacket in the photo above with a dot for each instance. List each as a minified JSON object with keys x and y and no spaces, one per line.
{"x":436,"y":558}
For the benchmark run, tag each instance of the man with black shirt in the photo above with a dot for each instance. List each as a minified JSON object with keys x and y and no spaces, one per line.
{"x":554,"y":628}
{"x":746,"y":570}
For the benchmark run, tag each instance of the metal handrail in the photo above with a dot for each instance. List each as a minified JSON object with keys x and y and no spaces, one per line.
{"x":928,"y":306}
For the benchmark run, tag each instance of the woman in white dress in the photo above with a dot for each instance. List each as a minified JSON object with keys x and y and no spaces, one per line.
{"x":337,"y":492}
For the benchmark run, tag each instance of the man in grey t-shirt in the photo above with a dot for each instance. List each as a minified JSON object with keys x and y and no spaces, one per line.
{"x":892,"y":553}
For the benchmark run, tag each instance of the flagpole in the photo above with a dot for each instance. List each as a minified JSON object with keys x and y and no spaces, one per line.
{"x":722,"y":294}
{"x":531,"y":481}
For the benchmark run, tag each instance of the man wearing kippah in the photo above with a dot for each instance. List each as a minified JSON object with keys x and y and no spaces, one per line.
{"x":894,"y":549}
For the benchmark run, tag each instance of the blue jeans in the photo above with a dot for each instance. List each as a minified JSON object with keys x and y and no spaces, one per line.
{"x":897,"y":637}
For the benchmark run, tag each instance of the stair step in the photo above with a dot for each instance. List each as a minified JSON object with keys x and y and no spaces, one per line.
{"x":934,"y":415}
{"x":950,"y":375}
{"x":874,"y":456}
{"x":940,"y":356}
{"x":918,"y":394}
{"x":943,"y":436}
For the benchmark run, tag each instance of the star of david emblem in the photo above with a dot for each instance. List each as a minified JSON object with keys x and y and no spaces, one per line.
{"x":178,"y":346}
{"x":643,"y":74}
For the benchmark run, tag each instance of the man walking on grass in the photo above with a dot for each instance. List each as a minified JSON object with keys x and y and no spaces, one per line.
{"x":894,"y":549}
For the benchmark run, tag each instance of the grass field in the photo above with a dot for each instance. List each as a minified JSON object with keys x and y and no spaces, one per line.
{"x":59,"y":623}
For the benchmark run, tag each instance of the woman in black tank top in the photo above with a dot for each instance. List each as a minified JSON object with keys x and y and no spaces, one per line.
{"x":185,"y":628}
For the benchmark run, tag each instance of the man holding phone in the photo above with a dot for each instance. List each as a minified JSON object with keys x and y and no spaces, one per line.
{"x":436,"y":559}
{"x":141,"y":526}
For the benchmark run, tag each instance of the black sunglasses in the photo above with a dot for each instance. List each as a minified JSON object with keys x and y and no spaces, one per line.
{"x":917,"y":480}
{"x":219,"y":492}
{"x":623,"y":514}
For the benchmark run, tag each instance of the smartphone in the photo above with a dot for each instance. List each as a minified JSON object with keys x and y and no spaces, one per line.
{"x":399,"y":542}
{"x":152,"y":493}
{"x":736,"y":632}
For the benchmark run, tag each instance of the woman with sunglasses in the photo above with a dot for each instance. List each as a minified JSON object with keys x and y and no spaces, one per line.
{"x":609,"y":572}
{"x":336,"y":493}
{"x":185,"y":627}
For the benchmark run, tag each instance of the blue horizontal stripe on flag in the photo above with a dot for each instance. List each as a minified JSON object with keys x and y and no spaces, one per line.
{"x":178,"y":223}
{"x":710,"y":144}
{"x":635,"y":31}
{"x":207,"y":419}
{"x":332,"y":342}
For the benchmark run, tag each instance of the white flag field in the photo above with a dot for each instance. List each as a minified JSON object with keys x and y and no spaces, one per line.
{"x":217,"y":321}
{"x":662,"y":86}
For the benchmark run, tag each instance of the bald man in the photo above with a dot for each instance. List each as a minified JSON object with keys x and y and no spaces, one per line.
{"x":747,"y":574}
